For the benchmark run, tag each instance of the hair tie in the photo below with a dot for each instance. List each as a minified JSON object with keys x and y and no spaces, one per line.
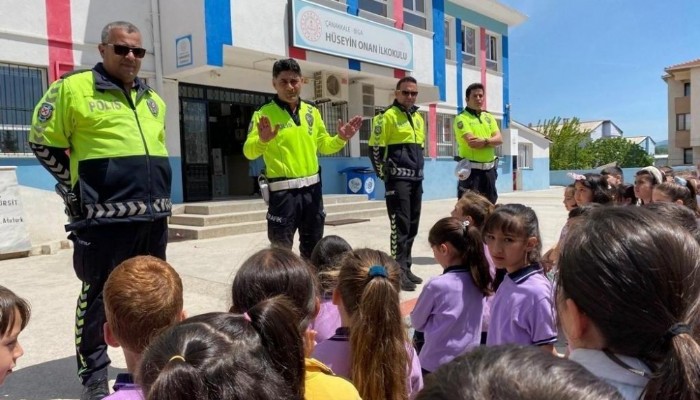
{"x":680,"y":180}
{"x":576,"y":177}
{"x":675,"y":330}
{"x":465,"y":224}
{"x":246,"y":317}
{"x":177,"y":357}
{"x":377,"y":270}
{"x":655,"y":172}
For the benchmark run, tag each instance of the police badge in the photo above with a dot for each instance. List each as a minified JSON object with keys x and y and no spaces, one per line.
{"x":152,"y":106}
{"x":310,"y":121}
{"x":460,"y":125}
{"x":45,"y":112}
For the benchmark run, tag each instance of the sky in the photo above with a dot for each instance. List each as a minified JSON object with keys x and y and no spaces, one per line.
{"x":600,"y":59}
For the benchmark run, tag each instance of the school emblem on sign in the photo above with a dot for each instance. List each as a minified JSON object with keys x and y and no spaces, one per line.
{"x":153,"y":106}
{"x":460,"y":125}
{"x":45,"y":112}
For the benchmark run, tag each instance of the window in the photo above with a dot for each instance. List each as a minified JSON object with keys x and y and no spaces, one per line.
{"x":468,"y":45}
{"x":414,"y":13}
{"x":446,"y":142}
{"x":688,"y":156}
{"x":524,"y":155}
{"x":22,"y":88}
{"x":492,"y":52}
{"x":682,"y":122}
{"x":686,"y":89}
{"x":449,"y":55}
{"x":331,"y":111}
{"x":378,"y":7}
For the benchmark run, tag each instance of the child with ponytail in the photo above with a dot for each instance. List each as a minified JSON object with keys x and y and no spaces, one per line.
{"x":256,"y":355}
{"x":450,"y":308}
{"x":371,"y":348}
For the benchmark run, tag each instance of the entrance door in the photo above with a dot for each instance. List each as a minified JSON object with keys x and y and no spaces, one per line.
{"x":195,"y":154}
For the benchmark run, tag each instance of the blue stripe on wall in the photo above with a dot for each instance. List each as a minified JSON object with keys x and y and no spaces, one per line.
{"x":438,"y":48}
{"x":506,"y":83}
{"x":353,"y":9}
{"x":458,"y":48}
{"x":217,"y":23}
{"x":353,"y":6}
{"x":475,"y":18}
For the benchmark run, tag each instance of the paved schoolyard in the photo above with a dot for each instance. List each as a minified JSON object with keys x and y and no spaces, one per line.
{"x":207,"y":267}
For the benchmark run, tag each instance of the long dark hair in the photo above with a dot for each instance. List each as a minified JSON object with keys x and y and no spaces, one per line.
{"x":378,"y":337}
{"x":467,"y":241}
{"x":215,"y":356}
{"x":517,"y":220}
{"x":635,"y":276}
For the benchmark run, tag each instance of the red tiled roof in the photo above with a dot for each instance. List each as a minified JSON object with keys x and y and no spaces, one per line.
{"x":687,"y":64}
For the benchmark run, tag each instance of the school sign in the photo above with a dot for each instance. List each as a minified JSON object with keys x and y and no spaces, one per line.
{"x":326,"y":30}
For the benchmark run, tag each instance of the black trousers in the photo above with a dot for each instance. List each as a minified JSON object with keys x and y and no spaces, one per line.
{"x":97,"y":251}
{"x":294,"y":209}
{"x":403,"y":203}
{"x":483,"y":182}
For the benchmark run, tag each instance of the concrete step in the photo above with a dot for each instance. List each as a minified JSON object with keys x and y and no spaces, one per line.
{"x":259,"y":215}
{"x":257,"y":204}
{"x":184,"y":232}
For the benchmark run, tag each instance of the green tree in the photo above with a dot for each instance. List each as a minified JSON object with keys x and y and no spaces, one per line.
{"x":568,"y":141}
{"x":618,"y":149}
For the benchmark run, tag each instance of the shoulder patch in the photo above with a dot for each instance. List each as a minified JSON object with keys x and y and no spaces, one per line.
{"x":460,"y":124}
{"x":45,"y":112}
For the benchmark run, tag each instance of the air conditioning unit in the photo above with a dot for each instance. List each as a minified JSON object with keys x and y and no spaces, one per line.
{"x":333,"y":87}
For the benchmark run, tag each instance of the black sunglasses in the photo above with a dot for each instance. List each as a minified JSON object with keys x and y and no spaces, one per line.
{"x":121,"y":50}
{"x":409,"y":93}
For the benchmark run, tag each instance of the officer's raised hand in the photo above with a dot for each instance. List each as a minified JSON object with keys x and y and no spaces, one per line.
{"x":347,"y":131}
{"x":265,"y":131}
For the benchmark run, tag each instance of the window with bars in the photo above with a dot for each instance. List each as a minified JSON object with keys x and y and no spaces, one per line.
{"x":331,"y":112}
{"x":449,"y":54}
{"x":446,"y":141}
{"x":378,"y":7}
{"x":21,"y":89}
{"x":524,"y":155}
{"x":492,"y":52}
{"x":414,"y":13}
{"x":468,"y":45}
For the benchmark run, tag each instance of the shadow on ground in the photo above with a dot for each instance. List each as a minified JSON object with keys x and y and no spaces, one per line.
{"x":47,"y":381}
{"x":424,"y":261}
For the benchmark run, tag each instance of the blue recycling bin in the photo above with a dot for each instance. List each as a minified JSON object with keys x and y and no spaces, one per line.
{"x":360,"y":180}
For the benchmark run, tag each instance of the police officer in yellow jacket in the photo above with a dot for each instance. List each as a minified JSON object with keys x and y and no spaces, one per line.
{"x":397,"y":140}
{"x":101,"y":134}
{"x":477,"y":136}
{"x":289,"y":132}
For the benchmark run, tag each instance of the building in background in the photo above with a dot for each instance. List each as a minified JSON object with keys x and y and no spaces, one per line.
{"x":683,"y":123}
{"x":645,"y":142}
{"x":211,"y":61}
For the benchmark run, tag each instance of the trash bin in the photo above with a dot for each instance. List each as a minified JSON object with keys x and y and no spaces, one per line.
{"x":360,"y":180}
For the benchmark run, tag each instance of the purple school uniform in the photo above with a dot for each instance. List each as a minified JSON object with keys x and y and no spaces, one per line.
{"x":126,"y":389}
{"x":522,"y":311}
{"x":327,"y":320}
{"x":335,"y":353}
{"x":449,"y":313}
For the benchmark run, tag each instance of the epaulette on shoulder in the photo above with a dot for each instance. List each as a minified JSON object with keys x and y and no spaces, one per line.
{"x":312,"y":103}
{"x":383,"y":110}
{"x":74,"y":72}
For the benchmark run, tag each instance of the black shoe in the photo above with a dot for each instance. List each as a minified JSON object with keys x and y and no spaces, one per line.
{"x":95,"y":391}
{"x":406,"y":284}
{"x":413,"y":277}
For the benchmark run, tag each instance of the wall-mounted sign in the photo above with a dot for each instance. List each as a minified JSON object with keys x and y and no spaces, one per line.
{"x":13,"y":229}
{"x":325,"y":30}
{"x":183,"y":51}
